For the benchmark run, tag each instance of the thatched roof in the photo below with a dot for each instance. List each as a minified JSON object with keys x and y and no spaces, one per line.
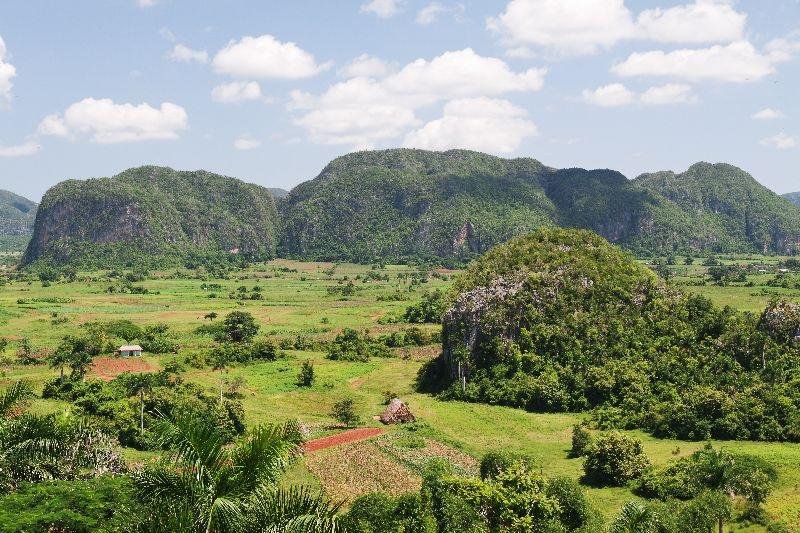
{"x":397,"y":412}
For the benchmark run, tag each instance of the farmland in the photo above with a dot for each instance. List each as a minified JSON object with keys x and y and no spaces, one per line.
{"x":301,"y":305}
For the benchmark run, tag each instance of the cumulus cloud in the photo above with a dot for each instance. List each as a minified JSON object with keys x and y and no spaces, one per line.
{"x":431,"y":12}
{"x":671,"y":93}
{"x":383,"y":8}
{"x":580,"y":27}
{"x":104,"y":121}
{"x":265,"y":57}
{"x":366,"y":66}
{"x":27,"y":148}
{"x":236,"y":92}
{"x":705,"y":21}
{"x":484,"y":124}
{"x":781,"y":141}
{"x":361,"y":111}
{"x":245,"y":142}
{"x":611,"y":95}
{"x":564,"y":26}
{"x":185,"y":54}
{"x":767,"y":114}
{"x":7,"y":71}
{"x":736,"y":62}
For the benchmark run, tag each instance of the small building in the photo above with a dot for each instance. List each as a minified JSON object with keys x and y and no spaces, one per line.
{"x":130,"y":351}
{"x":397,"y":412}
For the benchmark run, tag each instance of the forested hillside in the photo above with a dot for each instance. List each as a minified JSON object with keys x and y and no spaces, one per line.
{"x":793,"y":197}
{"x":16,"y":214}
{"x":153,"y":215}
{"x":400,"y":204}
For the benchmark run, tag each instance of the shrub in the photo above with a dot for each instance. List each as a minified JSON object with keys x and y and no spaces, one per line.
{"x":345,"y":412}
{"x":306,"y":376}
{"x":430,"y":309}
{"x":614,"y":459}
{"x":581,"y":440}
{"x":495,"y":463}
{"x":238,"y":326}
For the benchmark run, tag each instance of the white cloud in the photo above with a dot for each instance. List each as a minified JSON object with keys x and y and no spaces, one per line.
{"x":430,"y":13}
{"x":146,"y":3}
{"x":21,"y":150}
{"x":185,"y":54}
{"x":780,"y":50}
{"x":236,"y":92}
{"x":671,"y":93}
{"x":705,"y":21}
{"x":106,"y":122}
{"x":245,"y":142}
{"x":265,"y":57}
{"x":167,"y":34}
{"x":366,"y":66}
{"x":564,"y":26}
{"x":611,"y":95}
{"x":767,"y":114}
{"x":362,"y":111}
{"x":780,"y":141}
{"x":484,"y":124}
{"x":7,"y":71}
{"x":737,"y":62}
{"x":580,"y":27}
{"x":383,"y":8}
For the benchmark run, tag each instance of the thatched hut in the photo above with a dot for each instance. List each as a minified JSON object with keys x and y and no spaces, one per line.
{"x":397,"y":412}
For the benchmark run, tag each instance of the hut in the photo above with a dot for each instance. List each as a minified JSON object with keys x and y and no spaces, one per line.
{"x":130,"y":351}
{"x":397,"y":412}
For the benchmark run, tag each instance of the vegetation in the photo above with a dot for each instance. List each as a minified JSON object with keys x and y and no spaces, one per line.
{"x":793,"y":197}
{"x":561,"y":321}
{"x":153,"y":216}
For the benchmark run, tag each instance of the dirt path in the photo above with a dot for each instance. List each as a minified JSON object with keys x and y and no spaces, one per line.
{"x":351,"y":435}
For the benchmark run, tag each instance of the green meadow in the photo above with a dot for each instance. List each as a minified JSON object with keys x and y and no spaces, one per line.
{"x":305,"y":300}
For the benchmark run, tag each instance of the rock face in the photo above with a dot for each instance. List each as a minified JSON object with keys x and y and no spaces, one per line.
{"x":153,"y":215}
{"x":16,"y":214}
{"x":395,"y":205}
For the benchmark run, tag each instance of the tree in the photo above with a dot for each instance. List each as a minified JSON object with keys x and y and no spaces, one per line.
{"x":74,"y":352}
{"x":614,"y":459}
{"x":344,"y":411}
{"x":140,"y":384}
{"x":238,"y":326}
{"x":636,"y":517}
{"x":581,"y":440}
{"x":306,"y":376}
{"x":202,"y":485}
{"x":211,"y":316}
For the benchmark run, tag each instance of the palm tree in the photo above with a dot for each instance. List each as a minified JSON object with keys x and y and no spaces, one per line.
{"x":635,"y":517}
{"x":141,"y":384}
{"x":37,"y":448}
{"x":202,"y":485}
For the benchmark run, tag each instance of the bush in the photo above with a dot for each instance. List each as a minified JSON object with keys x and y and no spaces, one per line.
{"x":581,"y":440}
{"x":495,"y":463}
{"x":350,"y":345}
{"x":429,"y":310}
{"x":306,"y":376}
{"x":238,"y":326}
{"x":614,"y":459}
{"x":345,"y":412}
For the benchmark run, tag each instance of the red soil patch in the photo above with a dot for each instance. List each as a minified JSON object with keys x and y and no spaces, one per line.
{"x":107,"y":368}
{"x":345,"y":437}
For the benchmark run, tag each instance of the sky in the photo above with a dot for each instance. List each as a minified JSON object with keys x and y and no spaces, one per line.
{"x":270,"y":91}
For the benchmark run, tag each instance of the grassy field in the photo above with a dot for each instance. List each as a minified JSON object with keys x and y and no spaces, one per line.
{"x":301,"y":299}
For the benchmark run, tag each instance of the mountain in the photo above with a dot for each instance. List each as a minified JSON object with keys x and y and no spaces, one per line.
{"x":153,"y":216}
{"x":720,"y":208}
{"x":278,"y":193}
{"x":793,"y":197}
{"x":16,"y":214}
{"x":403,"y":203}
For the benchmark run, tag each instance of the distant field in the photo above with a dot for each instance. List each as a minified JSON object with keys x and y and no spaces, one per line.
{"x":297,"y":301}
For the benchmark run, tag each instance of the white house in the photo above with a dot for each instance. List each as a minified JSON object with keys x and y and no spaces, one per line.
{"x":128,"y":351}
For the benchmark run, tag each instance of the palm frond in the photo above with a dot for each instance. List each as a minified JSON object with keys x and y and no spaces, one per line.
{"x":192,"y":443}
{"x":293,"y":510}
{"x":13,"y":396}
{"x":262,"y":457}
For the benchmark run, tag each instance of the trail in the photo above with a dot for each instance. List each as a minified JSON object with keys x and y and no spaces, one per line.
{"x":345,"y":437}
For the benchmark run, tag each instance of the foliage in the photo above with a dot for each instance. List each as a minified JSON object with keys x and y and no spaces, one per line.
{"x":495,"y":463}
{"x":351,"y":345}
{"x":77,"y":506}
{"x":430,"y":309}
{"x":305,"y":378}
{"x":345,"y":412}
{"x":381,"y":513}
{"x":238,"y":326}
{"x":202,"y":485}
{"x":560,"y":320}
{"x":614,"y":459}
{"x":581,"y":440}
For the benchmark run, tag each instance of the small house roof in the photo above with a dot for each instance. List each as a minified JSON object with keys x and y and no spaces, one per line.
{"x":130,"y":348}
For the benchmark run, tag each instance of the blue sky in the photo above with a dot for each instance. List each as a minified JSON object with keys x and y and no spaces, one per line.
{"x":270,"y":91}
